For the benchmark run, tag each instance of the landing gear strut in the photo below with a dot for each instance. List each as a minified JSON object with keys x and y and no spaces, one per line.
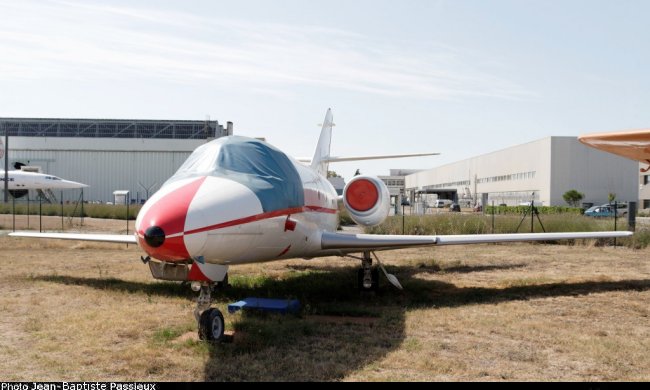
{"x":210,"y":319}
{"x":368,"y":276}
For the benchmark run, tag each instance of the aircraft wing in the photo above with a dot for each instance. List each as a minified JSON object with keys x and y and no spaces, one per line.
{"x":634,"y":145}
{"x":118,"y":238}
{"x":347,"y":243}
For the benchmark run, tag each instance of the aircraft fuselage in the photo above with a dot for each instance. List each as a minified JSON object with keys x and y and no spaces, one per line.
{"x":223,"y":213}
{"x":21,"y":180}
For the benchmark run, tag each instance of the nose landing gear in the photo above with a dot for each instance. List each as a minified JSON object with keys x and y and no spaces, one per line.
{"x":211,"y":325}
{"x":210,"y":320}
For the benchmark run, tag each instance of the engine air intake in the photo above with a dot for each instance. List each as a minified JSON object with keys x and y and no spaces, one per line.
{"x":362,"y":195}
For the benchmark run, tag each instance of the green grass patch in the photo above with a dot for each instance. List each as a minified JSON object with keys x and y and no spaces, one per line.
{"x":72,"y":210}
{"x":165,"y":335}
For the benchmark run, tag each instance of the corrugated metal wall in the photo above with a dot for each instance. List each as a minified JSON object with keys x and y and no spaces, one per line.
{"x":107,"y":171}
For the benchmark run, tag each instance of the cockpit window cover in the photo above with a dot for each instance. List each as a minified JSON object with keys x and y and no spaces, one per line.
{"x":263,"y":169}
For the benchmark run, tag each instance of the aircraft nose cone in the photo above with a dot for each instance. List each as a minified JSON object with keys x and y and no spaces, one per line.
{"x":154,"y":236}
{"x":161,"y":222}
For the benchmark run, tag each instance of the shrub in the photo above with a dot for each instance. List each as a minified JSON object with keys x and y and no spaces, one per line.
{"x":573,"y":197}
{"x":344,"y":217}
{"x":544,"y":210}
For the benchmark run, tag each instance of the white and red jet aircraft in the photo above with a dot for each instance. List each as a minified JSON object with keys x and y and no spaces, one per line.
{"x":239,"y":200}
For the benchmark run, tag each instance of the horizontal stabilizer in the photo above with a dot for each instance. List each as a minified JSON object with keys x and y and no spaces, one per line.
{"x":361,"y":242}
{"x":381,"y":157}
{"x":117,"y":238}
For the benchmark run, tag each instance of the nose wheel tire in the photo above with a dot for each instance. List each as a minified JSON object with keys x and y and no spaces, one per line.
{"x":211,"y":325}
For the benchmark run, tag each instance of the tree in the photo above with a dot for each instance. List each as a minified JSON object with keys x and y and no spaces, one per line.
{"x":332,"y":174}
{"x":573,"y":197}
{"x":611,"y":197}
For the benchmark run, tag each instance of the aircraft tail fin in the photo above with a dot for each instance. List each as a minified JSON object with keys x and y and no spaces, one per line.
{"x":320,"y":162}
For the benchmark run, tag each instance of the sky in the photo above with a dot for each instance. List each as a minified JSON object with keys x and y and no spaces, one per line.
{"x":460,"y":77}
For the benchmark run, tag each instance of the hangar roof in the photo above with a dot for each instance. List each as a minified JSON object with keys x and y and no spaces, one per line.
{"x":111,"y":128}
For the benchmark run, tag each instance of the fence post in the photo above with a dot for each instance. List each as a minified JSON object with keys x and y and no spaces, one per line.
{"x":61,"y":199}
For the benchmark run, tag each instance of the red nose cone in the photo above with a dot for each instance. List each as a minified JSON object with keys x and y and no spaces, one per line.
{"x":362,"y":195}
{"x":162,"y":227}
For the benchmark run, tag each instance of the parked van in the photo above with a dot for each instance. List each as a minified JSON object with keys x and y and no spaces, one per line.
{"x":621,"y":208}
{"x":440,"y":203}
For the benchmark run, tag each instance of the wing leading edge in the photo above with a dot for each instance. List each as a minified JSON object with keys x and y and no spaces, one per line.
{"x":359,"y":242}
{"x":634,"y":145}
{"x":117,"y":238}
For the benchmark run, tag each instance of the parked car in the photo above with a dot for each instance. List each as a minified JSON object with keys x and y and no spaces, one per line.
{"x":600,"y":211}
{"x":621,"y":208}
{"x":454,"y":207}
{"x":440,"y":203}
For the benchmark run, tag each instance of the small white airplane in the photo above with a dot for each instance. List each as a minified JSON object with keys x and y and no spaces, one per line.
{"x":22,"y":181}
{"x":239,"y":200}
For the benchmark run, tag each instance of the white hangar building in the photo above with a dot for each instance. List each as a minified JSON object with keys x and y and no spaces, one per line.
{"x":542,"y":170}
{"x":107,"y":154}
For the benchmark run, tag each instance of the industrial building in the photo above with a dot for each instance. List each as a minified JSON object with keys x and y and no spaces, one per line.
{"x":644,"y":187}
{"x":108,"y":154}
{"x":541,"y":171}
{"x":395,"y":183}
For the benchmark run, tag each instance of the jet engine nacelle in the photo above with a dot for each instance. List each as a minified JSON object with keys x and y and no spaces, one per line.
{"x":367,"y":200}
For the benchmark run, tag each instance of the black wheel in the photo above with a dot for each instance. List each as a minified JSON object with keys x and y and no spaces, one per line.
{"x":211,"y":325}
{"x":374,"y":277}
{"x":360,"y":280}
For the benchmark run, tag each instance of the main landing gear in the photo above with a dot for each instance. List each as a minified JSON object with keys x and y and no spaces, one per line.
{"x":368,"y":276}
{"x":210,"y":319}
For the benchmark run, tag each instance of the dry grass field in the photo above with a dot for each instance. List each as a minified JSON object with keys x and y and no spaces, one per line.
{"x":78,"y":311}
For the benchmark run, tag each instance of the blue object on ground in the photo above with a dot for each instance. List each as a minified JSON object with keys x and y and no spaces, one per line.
{"x":281,"y":306}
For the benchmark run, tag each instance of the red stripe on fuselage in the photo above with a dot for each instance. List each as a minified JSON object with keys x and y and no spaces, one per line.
{"x":320,"y":209}
{"x":285,"y":251}
{"x":259,"y":217}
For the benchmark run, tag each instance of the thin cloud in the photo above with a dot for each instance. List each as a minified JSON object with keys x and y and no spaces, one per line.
{"x":84,"y":41}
